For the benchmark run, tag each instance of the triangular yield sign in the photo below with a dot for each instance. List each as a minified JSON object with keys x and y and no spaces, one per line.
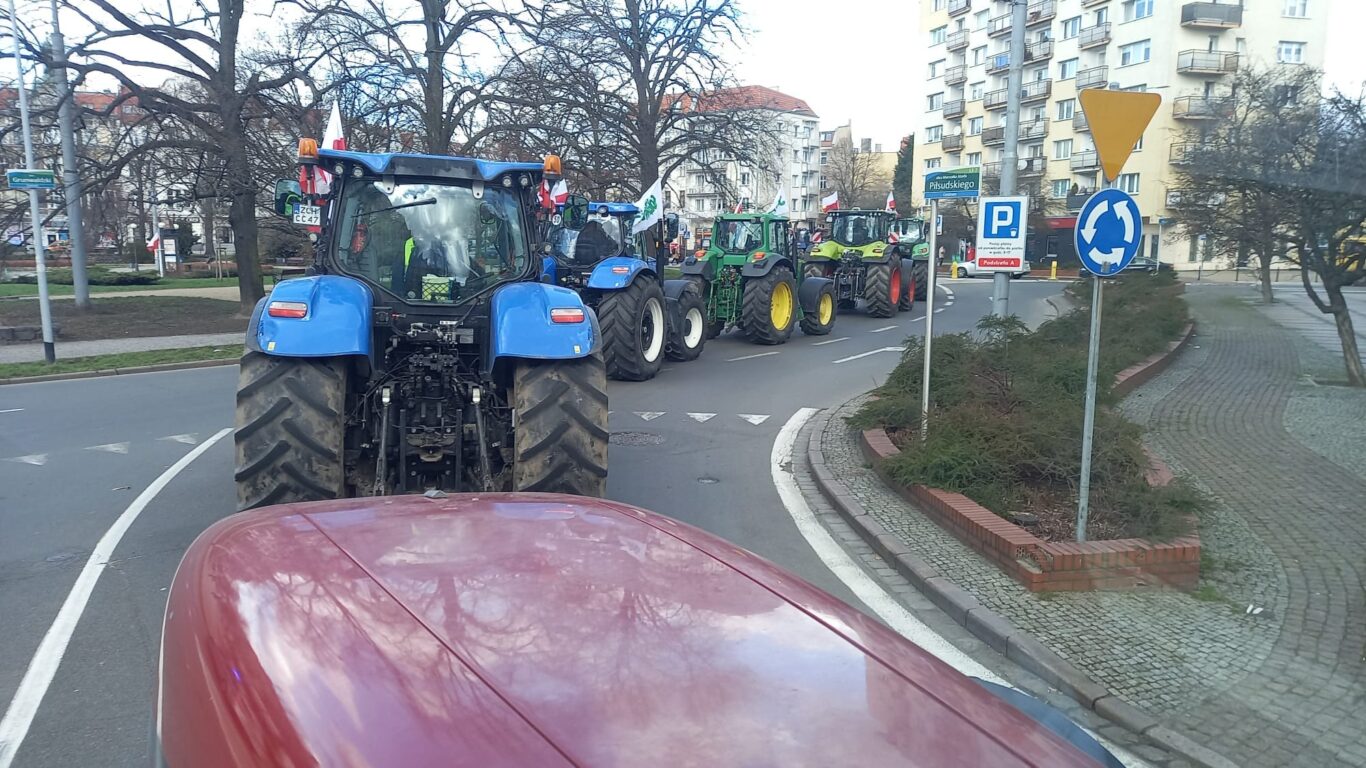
{"x":1117,"y":120}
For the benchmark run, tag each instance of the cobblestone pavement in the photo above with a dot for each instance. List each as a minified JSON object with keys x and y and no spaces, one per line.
{"x":1283,"y":687}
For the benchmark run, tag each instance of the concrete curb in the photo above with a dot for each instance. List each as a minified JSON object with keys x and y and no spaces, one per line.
{"x":120,"y":371}
{"x":989,"y":626}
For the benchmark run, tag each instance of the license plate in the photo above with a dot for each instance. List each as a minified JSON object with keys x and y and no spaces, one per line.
{"x":308,"y":214}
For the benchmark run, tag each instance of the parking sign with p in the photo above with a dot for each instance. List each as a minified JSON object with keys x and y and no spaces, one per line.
{"x":1001,"y":229}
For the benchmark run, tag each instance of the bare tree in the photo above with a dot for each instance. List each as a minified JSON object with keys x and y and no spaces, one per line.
{"x":857,"y":176}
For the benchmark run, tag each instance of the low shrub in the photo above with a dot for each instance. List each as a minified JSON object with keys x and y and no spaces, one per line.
{"x":96,"y":276}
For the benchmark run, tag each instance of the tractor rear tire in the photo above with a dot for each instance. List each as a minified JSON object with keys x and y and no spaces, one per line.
{"x":762,"y":307}
{"x":822,"y":320}
{"x":685,"y":343}
{"x":907,"y":301}
{"x":920,"y":272}
{"x":814,"y":269}
{"x":633,"y":330}
{"x":559,"y":442}
{"x":880,"y":281}
{"x":714,"y":326}
{"x":291,"y":429}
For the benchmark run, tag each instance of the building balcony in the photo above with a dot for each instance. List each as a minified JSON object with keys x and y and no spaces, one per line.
{"x":998,"y":63}
{"x":1039,"y":50}
{"x":995,"y":99}
{"x":1033,"y":166}
{"x":994,"y":135}
{"x":953,"y":143}
{"x":1087,"y":160}
{"x":1206,"y":62}
{"x":1094,"y":36}
{"x":1075,"y":200}
{"x":959,"y":7}
{"x":1201,"y":107}
{"x":999,"y":26}
{"x":1095,"y":77}
{"x":1033,"y":130}
{"x":956,"y":75}
{"x":1079,"y":122}
{"x":1036,"y":90}
{"x":1089,"y":3}
{"x":954,"y":109}
{"x":1212,"y":15}
{"x":1183,"y":153}
{"x":956,"y":41}
{"x":991,"y":170}
{"x":1040,"y":12}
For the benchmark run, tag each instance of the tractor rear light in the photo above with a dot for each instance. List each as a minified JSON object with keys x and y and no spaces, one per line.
{"x":294,"y":309}
{"x":701,"y":254}
{"x":566,"y":315}
{"x":621,"y":270}
{"x":759,"y":256}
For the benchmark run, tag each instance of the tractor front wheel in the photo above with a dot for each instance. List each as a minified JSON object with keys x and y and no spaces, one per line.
{"x":685,"y":343}
{"x":633,"y":330}
{"x":920,"y":274}
{"x":822,"y":320}
{"x":560,"y":438}
{"x":769,"y":307}
{"x":882,"y":289}
{"x":291,"y":429}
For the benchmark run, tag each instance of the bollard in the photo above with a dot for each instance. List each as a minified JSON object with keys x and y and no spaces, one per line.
{"x":953,"y":268}
{"x":1053,"y":270}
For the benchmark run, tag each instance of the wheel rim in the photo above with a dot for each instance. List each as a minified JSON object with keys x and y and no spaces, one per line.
{"x":780,"y":306}
{"x":896,"y":285}
{"x":826,"y":310}
{"x":652,"y":331}
{"x":693,"y":328}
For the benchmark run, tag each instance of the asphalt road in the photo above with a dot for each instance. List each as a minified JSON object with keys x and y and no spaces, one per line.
{"x":694,"y":444}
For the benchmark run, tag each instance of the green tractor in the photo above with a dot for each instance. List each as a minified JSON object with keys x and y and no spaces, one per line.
{"x":907,"y":236}
{"x":749,"y":279}
{"x":856,"y":255}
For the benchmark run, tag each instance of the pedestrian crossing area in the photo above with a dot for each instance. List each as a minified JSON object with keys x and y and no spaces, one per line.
{"x":701,"y":417}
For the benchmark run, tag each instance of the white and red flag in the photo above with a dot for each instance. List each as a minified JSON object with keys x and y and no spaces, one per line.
{"x":830,"y":202}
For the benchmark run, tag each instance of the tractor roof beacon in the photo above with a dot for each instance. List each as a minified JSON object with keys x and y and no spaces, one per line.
{"x":750,"y":279}
{"x":644,"y":319}
{"x":857,"y":255}
{"x":420,"y":352}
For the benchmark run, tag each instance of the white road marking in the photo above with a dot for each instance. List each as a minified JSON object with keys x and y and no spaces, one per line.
{"x":701,"y":417}
{"x":842,"y":565}
{"x":830,"y":341}
{"x":110,"y":448}
{"x":43,"y":666}
{"x":917,"y":319}
{"x":948,"y":291}
{"x":867,"y":354}
{"x":649,"y":415}
{"x":754,"y":418}
{"x":751,"y":357}
{"x":880,"y":330}
{"x":36,"y":459}
{"x":937,"y":311}
{"x":10,"y":410}
{"x":190,"y":439}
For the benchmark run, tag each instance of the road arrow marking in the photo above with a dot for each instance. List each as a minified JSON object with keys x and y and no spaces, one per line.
{"x":187,"y":438}
{"x":830,"y":341}
{"x":700,"y":417}
{"x":750,"y":357}
{"x":649,"y":415}
{"x":110,"y":447}
{"x":869,"y":354}
{"x":1088,"y":232}
{"x":753,"y":418}
{"x":36,"y":459}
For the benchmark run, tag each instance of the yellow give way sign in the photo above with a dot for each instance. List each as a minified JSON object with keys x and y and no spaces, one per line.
{"x":1117,"y":120}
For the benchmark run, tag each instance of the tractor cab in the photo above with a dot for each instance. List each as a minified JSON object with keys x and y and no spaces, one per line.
{"x":737,"y":238}
{"x":907,"y":233}
{"x":858,"y":229}
{"x":581,"y":244}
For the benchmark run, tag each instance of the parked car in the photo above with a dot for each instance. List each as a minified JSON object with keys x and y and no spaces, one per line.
{"x":968,"y":267}
{"x":1147,"y":264}
{"x":545,"y":630}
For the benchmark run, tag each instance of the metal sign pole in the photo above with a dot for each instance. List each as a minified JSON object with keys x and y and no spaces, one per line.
{"x":39,"y":254}
{"x":1088,"y":427}
{"x":929,"y":320}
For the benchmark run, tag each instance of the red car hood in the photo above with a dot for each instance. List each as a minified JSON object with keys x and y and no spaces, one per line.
{"x":541,"y":630}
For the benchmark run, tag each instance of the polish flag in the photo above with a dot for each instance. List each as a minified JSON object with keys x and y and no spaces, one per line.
{"x":546,"y":198}
{"x":830,"y":202}
{"x":332,"y":139}
{"x":154,"y":243}
{"x":560,"y":194}
{"x":891,"y":202}
{"x":816,"y":236}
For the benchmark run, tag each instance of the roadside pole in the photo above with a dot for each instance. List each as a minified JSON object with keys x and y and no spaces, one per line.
{"x":71,"y":178}
{"x":929,"y":320}
{"x":1010,"y":157}
{"x":39,"y":250}
{"x":156,"y":229}
{"x":1089,"y":423}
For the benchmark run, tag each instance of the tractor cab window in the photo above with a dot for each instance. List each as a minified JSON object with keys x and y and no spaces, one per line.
{"x":857,"y":229}
{"x":739,"y":235}
{"x":777,"y":241}
{"x":909,"y":230}
{"x":434,"y":243}
{"x":600,"y":237}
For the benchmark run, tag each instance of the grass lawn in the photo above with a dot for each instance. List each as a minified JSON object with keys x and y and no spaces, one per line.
{"x":124,"y":360}
{"x":118,"y":317}
{"x":20,"y":289}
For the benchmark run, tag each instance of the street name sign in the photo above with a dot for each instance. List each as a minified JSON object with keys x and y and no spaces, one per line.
{"x":1001,"y":233}
{"x":1108,"y":232}
{"x":953,"y":183}
{"x":30,"y":179}
{"x":1117,"y":120}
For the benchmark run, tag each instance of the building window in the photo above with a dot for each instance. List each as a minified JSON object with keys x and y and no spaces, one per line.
{"x":939,"y":4}
{"x":1137,"y":9}
{"x":1062,"y":149}
{"x":825,"y":157}
{"x":1071,"y":27}
{"x":938,"y":34}
{"x":1288,"y":52}
{"x":974,"y":126}
{"x":981,"y":18}
{"x":936,"y":68}
{"x":1138,"y":145}
{"x":1102,"y":15}
{"x":979,"y":55}
{"x":976,"y":90}
{"x":1067,"y":69}
{"x":934,"y":133}
{"x":1135,"y":53}
{"x":974,"y":158}
{"x":1067,"y":108}
{"x":1060,"y":187}
{"x":936,"y":101}
{"x":1128,"y":182}
{"x":1297,"y":8}
{"x":744,"y":179}
{"x":931,"y":163}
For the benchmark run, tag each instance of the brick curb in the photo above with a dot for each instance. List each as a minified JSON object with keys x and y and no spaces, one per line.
{"x":120,"y":371}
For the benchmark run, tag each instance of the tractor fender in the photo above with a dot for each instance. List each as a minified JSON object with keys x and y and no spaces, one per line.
{"x":809,"y":292}
{"x":616,"y":272}
{"x":907,"y":268}
{"x":674,"y":288}
{"x":761,"y":268}
{"x":520,"y":324}
{"x":704,"y":268}
{"x":879,"y":256}
{"x":337,"y":320}
{"x":825,"y":251}
{"x":253,"y":327}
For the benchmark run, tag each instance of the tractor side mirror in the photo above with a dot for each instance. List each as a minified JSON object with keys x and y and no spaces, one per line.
{"x":575,"y":212}
{"x":670,"y":226}
{"x":288,"y":194}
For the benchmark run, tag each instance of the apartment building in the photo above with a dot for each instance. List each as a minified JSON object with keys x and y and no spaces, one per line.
{"x":1185,"y":51}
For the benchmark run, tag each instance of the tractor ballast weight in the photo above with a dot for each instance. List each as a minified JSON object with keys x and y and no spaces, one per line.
{"x":421,"y":353}
{"x":750,"y":278}
{"x":864,"y":266}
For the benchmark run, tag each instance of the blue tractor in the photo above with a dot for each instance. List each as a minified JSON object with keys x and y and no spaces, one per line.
{"x":421,"y":352}
{"x":643,"y":318}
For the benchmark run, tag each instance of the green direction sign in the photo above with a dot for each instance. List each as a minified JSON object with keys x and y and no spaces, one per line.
{"x":953,"y":183}
{"x":25,"y":179}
